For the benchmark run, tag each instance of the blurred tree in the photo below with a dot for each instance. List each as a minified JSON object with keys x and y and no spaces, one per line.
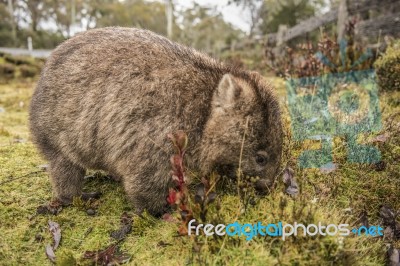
{"x":49,"y":22}
{"x":132,"y":13}
{"x":35,"y":10}
{"x":267,"y":15}
{"x":287,"y":12}
{"x":254,"y":8}
{"x":7,"y":33}
{"x":205,"y":29}
{"x":169,"y":9}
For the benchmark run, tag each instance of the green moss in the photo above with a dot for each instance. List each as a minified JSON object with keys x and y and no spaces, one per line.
{"x":19,"y":60}
{"x":323,"y":197}
{"x":388,"y":68}
{"x":27,"y":71}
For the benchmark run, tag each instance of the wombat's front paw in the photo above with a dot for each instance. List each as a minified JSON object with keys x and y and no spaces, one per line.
{"x":64,"y":201}
{"x":85,"y":196}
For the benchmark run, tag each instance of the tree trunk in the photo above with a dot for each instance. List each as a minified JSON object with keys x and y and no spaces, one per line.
{"x":13,"y":26}
{"x":169,"y":14}
{"x":343,"y":15}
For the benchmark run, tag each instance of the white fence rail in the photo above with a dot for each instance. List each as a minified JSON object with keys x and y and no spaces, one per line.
{"x":26,"y":52}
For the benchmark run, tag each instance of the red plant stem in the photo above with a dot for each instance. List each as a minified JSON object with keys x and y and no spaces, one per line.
{"x":181,"y":180}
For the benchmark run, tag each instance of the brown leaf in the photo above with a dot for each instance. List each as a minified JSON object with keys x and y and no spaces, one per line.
{"x":393,"y":256}
{"x":379,"y":166}
{"x":381,"y":138}
{"x":364,"y":218}
{"x":163,"y":244}
{"x":200,"y":193}
{"x":290,"y":181}
{"x":328,"y":168}
{"x":182,"y":231}
{"x":56,"y":231}
{"x":388,"y":215}
{"x":126,"y":227}
{"x":121,"y":232}
{"x":50,"y":253}
{"x":168,"y":218}
{"x":53,"y":207}
{"x":108,"y":256}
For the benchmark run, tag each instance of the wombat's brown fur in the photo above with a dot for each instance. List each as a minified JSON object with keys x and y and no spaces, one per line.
{"x":107,"y":98}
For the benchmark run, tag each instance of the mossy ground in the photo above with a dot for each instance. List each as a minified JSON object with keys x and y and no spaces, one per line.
{"x":336,"y":197}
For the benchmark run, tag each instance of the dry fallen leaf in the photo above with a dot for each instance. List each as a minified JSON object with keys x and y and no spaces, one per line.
{"x":169,"y":218}
{"x":56,"y":231}
{"x":50,"y":253}
{"x":328,"y":168}
{"x":290,"y":182}
{"x":381,"y":138}
{"x":108,"y":256}
{"x":126,"y":227}
{"x":53,"y":207}
{"x":393,"y":256}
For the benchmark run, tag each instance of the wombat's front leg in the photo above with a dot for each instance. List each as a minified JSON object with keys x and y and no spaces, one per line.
{"x":66,"y":178}
{"x":150,"y":196}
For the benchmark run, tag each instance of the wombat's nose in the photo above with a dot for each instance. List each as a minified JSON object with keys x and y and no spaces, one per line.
{"x":263,"y":185}
{"x":227,"y":170}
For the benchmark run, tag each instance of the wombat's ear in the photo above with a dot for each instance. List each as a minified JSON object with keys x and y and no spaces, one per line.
{"x":227,"y":92}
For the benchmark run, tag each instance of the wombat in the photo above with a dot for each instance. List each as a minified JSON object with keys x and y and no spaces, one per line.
{"x":107,"y":98}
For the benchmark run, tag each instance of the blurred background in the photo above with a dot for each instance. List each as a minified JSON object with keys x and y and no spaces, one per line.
{"x":265,"y":35}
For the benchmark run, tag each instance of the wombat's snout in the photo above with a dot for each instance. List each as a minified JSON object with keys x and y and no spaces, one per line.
{"x":263,"y":186}
{"x":227,"y":170}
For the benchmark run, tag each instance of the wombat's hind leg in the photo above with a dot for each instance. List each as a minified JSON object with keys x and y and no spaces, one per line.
{"x":66,"y":178}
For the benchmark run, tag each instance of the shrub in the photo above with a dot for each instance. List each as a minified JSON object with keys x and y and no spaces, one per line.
{"x":7,"y":71}
{"x":18,"y":59}
{"x":27,"y":71}
{"x":388,"y":68}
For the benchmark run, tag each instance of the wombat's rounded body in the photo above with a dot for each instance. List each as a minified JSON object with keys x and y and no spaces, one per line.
{"x":108,"y":97}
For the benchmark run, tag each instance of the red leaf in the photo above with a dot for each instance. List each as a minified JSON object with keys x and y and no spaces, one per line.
{"x":107,"y":256}
{"x":168,"y":218}
{"x":171,"y":199}
{"x":183,"y":230}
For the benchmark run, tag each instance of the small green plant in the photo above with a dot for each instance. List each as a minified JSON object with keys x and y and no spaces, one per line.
{"x":27,"y":71}
{"x":178,"y":196}
{"x":388,"y":68}
{"x":302,"y":59}
{"x":19,"y":60}
{"x":7,"y":71}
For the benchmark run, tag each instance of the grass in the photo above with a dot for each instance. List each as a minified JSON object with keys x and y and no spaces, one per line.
{"x":336,"y":197}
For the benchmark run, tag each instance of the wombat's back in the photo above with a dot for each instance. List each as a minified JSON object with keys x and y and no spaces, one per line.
{"x":104,"y":90}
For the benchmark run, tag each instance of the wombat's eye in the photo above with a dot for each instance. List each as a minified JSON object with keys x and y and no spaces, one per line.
{"x":261,"y":159}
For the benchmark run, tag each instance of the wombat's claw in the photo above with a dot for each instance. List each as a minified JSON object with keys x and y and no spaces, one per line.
{"x":90,"y":195}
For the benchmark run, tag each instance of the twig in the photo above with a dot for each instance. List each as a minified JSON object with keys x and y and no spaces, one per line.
{"x":20,"y":177}
{"x":240,"y":164}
